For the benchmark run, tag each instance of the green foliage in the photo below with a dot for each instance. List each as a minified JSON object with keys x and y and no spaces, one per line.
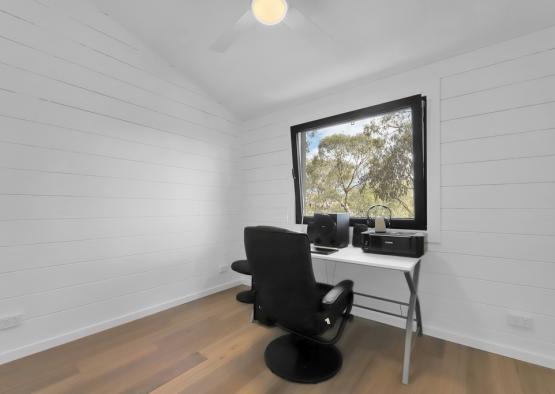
{"x":351,"y":172}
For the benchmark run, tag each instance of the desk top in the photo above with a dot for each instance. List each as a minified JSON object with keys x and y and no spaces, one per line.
{"x":353,"y":255}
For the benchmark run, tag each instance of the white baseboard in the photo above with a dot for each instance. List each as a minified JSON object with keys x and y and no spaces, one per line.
{"x":492,"y":347}
{"x":40,"y":346}
{"x":462,"y":339}
{"x":436,"y":332}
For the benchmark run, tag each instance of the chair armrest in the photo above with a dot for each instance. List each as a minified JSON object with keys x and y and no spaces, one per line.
{"x":336,"y":305}
{"x":338,"y":298}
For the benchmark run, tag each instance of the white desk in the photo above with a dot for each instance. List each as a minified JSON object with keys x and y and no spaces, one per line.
{"x":353,"y":255}
{"x":410,"y":267}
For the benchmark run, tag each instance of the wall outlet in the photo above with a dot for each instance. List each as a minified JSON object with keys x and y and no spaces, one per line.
{"x":520,"y":321}
{"x":223,"y":269}
{"x":10,"y":321}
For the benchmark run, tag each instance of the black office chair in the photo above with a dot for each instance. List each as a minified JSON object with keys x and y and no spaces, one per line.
{"x":288,"y":295}
{"x":243,"y":267}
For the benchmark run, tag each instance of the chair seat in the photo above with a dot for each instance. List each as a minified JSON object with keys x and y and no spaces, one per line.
{"x":241,"y":266}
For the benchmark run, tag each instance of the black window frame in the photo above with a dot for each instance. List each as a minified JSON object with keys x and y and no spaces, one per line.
{"x":417,"y":104}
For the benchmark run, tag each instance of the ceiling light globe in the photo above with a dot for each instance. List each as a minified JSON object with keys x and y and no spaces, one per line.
{"x":269,"y":12}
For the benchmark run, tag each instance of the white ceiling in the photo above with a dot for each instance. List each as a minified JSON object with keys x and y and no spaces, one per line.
{"x":270,"y":66}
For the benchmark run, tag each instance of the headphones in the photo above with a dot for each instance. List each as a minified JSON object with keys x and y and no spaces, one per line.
{"x":369,"y":219}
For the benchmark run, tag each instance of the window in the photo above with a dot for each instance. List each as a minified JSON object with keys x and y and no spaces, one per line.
{"x":351,"y":161}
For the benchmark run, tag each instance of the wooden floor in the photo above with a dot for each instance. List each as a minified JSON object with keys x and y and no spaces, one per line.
{"x":209,"y":346}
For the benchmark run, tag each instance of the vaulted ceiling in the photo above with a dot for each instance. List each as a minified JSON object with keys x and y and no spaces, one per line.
{"x":267,"y":67}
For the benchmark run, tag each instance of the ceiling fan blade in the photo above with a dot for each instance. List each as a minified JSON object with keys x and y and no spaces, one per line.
{"x":297,"y":21}
{"x":230,"y":35}
{"x":308,"y":7}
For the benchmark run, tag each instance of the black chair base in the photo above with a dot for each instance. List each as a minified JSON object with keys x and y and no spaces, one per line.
{"x":246,"y":296}
{"x":300,"y":360}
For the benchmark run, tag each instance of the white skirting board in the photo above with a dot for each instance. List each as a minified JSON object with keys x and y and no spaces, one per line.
{"x":243,"y":280}
{"x":451,"y":336}
{"x":101,"y":326}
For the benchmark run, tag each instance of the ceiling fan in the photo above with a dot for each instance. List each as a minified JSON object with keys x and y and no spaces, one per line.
{"x":270,"y":13}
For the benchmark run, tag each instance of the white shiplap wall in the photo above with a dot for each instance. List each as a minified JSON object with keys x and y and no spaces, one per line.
{"x":117,"y":176}
{"x":491,"y":177}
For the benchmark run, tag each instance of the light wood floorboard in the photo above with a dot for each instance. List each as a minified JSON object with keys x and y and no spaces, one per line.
{"x":210,"y":346}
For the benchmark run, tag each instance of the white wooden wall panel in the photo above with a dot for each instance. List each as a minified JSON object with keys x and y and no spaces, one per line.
{"x":515,"y":221}
{"x":33,"y":182}
{"x":530,"y":299}
{"x":526,"y":247}
{"x":62,"y":46}
{"x":493,"y":55}
{"x":91,"y":317}
{"x":504,"y":171}
{"x":61,"y":116}
{"x":485,"y":326}
{"x":488,"y":318}
{"x":117,"y":175}
{"x":513,"y":121}
{"x":533,"y":92}
{"x":19,"y":57}
{"x":32,"y":207}
{"x":530,"y":195}
{"x":279,"y":143}
{"x":531,"y":144}
{"x":57,"y":160}
{"x":268,"y":159}
{"x":496,"y":269}
{"x":52,"y":278}
{"x":31,"y":256}
{"x":491,"y":251}
{"x":36,"y":231}
{"x":267,"y":186}
{"x":509,"y":72}
{"x":86,"y":29}
{"x":263,"y":173}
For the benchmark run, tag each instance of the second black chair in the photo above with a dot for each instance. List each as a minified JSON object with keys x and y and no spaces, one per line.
{"x":288,"y":295}
{"x":243,"y":267}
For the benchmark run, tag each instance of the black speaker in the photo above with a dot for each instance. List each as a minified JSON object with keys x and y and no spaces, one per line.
{"x":329,"y":229}
{"x":357,"y":237}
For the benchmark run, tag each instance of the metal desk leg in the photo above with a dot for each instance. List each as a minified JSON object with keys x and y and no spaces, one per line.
{"x":412,"y":282}
{"x":418,"y":318}
{"x":416,"y":276}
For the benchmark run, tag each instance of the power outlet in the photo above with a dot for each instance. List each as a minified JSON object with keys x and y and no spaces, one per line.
{"x":10,"y":321}
{"x":520,"y":321}
{"x":223,"y":269}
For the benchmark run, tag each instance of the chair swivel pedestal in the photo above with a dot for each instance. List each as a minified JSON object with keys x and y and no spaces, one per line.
{"x":242,"y":267}
{"x":301,"y":360}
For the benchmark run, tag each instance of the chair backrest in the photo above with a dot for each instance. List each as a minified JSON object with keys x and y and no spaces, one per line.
{"x":281,"y":265}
